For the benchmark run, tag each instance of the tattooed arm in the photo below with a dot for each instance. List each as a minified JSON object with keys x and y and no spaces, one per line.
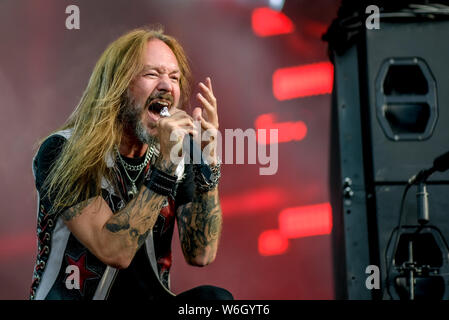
{"x":115,"y":238}
{"x":199,"y":221}
{"x":199,"y":226}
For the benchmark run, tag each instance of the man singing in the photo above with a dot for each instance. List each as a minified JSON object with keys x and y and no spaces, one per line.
{"x":108,"y":190}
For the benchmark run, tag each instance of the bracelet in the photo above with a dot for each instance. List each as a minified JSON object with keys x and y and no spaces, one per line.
{"x":162,"y":183}
{"x":205,"y":184}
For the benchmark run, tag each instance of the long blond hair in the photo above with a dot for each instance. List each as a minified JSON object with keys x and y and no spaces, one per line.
{"x":95,"y":122}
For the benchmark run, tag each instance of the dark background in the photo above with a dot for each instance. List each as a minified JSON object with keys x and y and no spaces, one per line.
{"x":44,"y":69}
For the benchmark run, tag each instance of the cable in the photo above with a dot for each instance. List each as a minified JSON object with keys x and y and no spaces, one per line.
{"x":398,"y":227}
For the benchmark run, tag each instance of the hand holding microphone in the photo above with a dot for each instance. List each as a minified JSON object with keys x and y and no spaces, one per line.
{"x":178,"y":124}
{"x":195,"y":153}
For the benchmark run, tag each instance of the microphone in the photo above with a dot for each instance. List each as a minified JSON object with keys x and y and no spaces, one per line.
{"x":195,"y":152}
{"x":441,"y":163}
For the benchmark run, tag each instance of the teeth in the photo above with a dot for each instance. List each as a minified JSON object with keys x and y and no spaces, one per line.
{"x":162,"y":103}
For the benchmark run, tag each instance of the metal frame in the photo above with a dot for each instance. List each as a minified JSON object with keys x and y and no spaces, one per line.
{"x":352,"y":187}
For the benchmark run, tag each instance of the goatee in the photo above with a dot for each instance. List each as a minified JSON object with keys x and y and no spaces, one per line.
{"x":131,"y":116}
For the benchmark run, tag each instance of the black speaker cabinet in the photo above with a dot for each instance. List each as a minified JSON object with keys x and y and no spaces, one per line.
{"x":390,"y":119}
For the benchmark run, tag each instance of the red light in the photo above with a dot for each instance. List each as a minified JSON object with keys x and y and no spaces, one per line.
{"x":315,"y":28}
{"x":268,"y":22}
{"x":271,"y":242}
{"x":303,"y":81}
{"x":252,"y":202}
{"x":306,"y":221}
{"x":287,"y":131}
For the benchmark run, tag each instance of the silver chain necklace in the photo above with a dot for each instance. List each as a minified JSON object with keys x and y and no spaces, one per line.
{"x":139,"y":168}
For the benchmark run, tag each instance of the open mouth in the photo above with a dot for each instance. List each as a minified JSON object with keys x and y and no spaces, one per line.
{"x":157,"y":105}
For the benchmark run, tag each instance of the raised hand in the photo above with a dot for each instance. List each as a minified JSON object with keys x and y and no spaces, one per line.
{"x":208,"y":116}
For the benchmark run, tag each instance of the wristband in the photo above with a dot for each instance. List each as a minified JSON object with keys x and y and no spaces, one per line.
{"x":205,"y":184}
{"x":161,"y":183}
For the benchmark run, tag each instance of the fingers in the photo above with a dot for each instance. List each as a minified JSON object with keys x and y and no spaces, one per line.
{"x":208,"y":101}
{"x":179,"y":116}
{"x":197,"y":113}
{"x":207,"y":94}
{"x":205,"y":125}
{"x":209,"y":83}
{"x":183,"y":130}
{"x":178,"y":113}
{"x":172,"y":129}
{"x":179,"y":120}
{"x":198,"y":116}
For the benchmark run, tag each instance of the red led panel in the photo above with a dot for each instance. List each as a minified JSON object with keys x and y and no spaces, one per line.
{"x":271,"y":242}
{"x":287,"y":131}
{"x":267,"y":22}
{"x":306,"y":221}
{"x":303,"y":81}
{"x":252,"y":202}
